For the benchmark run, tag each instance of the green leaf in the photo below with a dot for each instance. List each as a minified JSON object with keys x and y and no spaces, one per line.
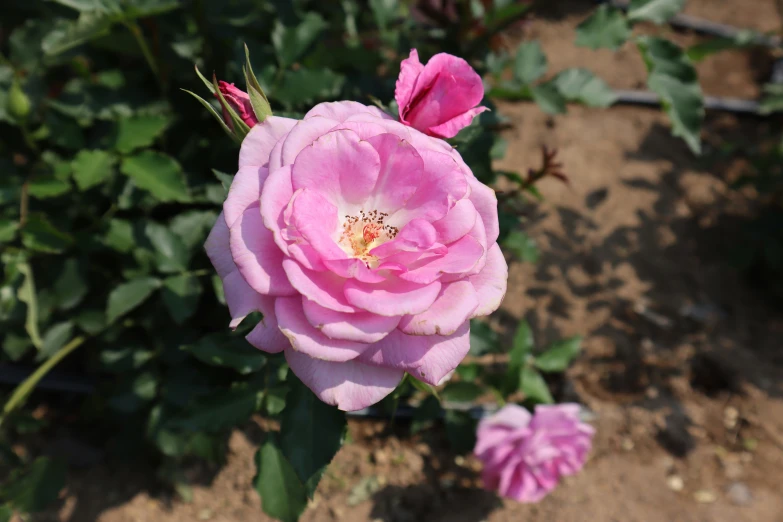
{"x":158,"y":174}
{"x":32,"y":490}
{"x":219,"y":411}
{"x":530,"y":63}
{"x":119,"y":237}
{"x":224,"y":179}
{"x":520,"y":352}
{"x":92,"y":167}
{"x":8,"y":230}
{"x":230,"y":353}
{"x":425,"y":415}
{"x":193,"y":226}
{"x":139,"y":131}
{"x":56,"y":337}
{"x":283,"y":495}
{"x":128,"y":296}
{"x":27,"y":295}
{"x":170,"y":253}
{"x":559,"y":355}
{"x":483,"y":339}
{"x":215,"y":115}
{"x":673,"y":77}
{"x":70,"y":287}
{"x":606,"y":28}
{"x":656,"y":11}
{"x":68,"y":34}
{"x":772,"y":100}
{"x":461,"y":392}
{"x":384,"y":12}
{"x":40,"y":235}
{"x":581,"y":85}
{"x":743,"y":39}
{"x":548,"y":98}
{"x":522,"y":246}
{"x":181,"y":295}
{"x":308,"y":85}
{"x":120,"y":360}
{"x":43,"y":187}
{"x":311,"y":433}
{"x":534,"y":386}
{"x":460,"y":431}
{"x":6,"y":512}
{"x":291,"y":42}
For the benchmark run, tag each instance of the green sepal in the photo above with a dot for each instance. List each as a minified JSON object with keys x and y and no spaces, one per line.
{"x":217,"y":116}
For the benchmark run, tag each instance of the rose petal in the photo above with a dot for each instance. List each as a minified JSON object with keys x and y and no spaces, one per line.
{"x":304,"y":133}
{"x":342,"y":110}
{"x":451,"y":128}
{"x":400,"y":175}
{"x":254,"y":251}
{"x":307,"y":339}
{"x":245,"y":191}
{"x":266,"y":336}
{"x":324,"y":288}
{"x":349,"y":385}
{"x":486,"y":203}
{"x":491,"y":282}
{"x":410,"y":69}
{"x":451,"y":309}
{"x":458,"y":222}
{"x":240,"y":298}
{"x":362,"y":327}
{"x":391,"y":297}
{"x":340,"y":167}
{"x":428,"y":358}
{"x":259,"y":142}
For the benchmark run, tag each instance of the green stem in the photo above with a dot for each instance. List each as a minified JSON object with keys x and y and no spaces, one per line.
{"x":25,"y":388}
{"x":135,"y":30}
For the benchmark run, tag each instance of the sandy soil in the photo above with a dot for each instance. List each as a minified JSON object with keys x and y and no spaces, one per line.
{"x":682,"y":364}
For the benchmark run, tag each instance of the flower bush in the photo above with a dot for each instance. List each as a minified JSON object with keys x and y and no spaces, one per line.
{"x":113,"y":182}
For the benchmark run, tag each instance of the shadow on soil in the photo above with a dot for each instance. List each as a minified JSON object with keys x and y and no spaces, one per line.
{"x":702,"y":320}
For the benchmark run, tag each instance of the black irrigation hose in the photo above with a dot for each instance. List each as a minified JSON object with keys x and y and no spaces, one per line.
{"x":734,"y":105}
{"x":700,"y":25}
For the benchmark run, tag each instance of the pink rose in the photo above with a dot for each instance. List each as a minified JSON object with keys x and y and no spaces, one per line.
{"x":439,"y":98}
{"x":366,"y":245}
{"x":239,"y":100}
{"x":524,"y":456}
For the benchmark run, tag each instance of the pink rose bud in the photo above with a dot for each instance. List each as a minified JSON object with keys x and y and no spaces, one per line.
{"x":525,"y":455}
{"x":439,"y":98}
{"x":239,"y":100}
{"x":366,"y":245}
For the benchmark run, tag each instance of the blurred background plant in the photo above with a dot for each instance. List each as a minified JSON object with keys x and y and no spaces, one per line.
{"x":108,"y":193}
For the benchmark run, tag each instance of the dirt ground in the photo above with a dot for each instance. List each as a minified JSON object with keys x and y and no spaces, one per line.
{"x":683,"y":364}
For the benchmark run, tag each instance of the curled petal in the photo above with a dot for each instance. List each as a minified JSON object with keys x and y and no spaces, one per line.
{"x":307,"y":339}
{"x":240,"y":298}
{"x":266,"y":336}
{"x":448,"y":313}
{"x":491,"y":282}
{"x":392,"y":297}
{"x":362,"y":327}
{"x":259,"y":260}
{"x":428,"y":358}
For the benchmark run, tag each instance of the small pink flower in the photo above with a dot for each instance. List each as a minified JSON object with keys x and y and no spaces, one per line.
{"x":239,"y":100}
{"x":439,"y":98}
{"x":366,"y":245}
{"x":524,"y":456}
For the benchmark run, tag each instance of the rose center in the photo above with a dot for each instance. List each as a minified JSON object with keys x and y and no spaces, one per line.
{"x":363,"y":232}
